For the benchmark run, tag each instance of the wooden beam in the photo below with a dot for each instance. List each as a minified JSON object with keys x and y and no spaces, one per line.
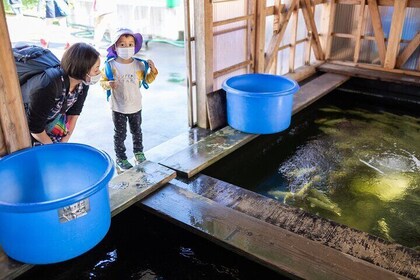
{"x":377,"y":29}
{"x":308,"y":15}
{"x":372,"y":72}
{"x":317,"y":88}
{"x":327,"y":25}
{"x":397,"y":24}
{"x":411,"y":3}
{"x":360,"y":25}
{"x":251,"y":38}
{"x":274,"y":44}
{"x":231,"y":20}
{"x":3,"y":150}
{"x":188,"y":56}
{"x":260,"y":36}
{"x":278,"y":7}
{"x":203,"y":20}
{"x":408,"y":51}
{"x":231,"y":68}
{"x":267,"y":244}
{"x":302,"y":73}
{"x":14,"y":126}
{"x":385,"y":255}
{"x":293,"y":38}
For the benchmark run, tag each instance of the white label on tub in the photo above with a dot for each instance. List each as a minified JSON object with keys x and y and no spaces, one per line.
{"x":74,"y":211}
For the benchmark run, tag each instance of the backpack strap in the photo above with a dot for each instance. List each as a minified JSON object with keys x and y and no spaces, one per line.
{"x":146,"y":69}
{"x":110,"y":76}
{"x":66,"y":80}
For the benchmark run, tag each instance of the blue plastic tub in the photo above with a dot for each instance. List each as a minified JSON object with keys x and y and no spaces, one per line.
{"x":259,"y":103}
{"x":54,"y":202}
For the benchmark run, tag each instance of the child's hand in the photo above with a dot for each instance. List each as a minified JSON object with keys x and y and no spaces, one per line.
{"x":112,"y":84}
{"x":152,"y":66}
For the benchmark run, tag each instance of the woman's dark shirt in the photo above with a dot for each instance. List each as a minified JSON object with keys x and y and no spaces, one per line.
{"x":43,"y":98}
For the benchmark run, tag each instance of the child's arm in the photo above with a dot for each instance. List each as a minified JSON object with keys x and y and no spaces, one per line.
{"x":105,"y":83}
{"x":151,"y":76}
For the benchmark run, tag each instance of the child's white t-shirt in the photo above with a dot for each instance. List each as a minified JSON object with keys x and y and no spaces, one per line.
{"x":126,"y":98}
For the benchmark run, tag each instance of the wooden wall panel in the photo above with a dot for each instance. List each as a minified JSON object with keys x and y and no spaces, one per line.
{"x":13,"y":122}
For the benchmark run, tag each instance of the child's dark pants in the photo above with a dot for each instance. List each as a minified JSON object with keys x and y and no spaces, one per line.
{"x":120,"y":132}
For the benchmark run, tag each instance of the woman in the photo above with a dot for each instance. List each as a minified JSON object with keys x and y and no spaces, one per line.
{"x":55,"y":105}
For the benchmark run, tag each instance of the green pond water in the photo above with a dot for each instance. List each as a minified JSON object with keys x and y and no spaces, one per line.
{"x":359,"y":166}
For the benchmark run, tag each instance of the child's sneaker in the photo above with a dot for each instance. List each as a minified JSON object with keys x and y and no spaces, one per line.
{"x":123,"y":164}
{"x":139,"y":157}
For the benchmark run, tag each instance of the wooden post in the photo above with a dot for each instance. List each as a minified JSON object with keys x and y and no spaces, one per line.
{"x":360,"y":26}
{"x":260,"y":37}
{"x":327,"y":24}
{"x":252,"y":10}
{"x":14,"y":126}
{"x":203,"y":23}
{"x":397,"y":24}
{"x":187,"y":39}
{"x":294,"y":23}
{"x":377,"y":29}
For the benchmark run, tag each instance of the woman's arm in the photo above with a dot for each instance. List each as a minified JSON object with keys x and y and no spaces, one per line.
{"x":42,"y":137}
{"x":71,"y":122}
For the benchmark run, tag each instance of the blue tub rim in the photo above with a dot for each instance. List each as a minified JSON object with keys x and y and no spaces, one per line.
{"x":64,"y":201}
{"x":261,"y":94}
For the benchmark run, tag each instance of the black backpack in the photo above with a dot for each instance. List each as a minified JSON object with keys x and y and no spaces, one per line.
{"x":32,"y":64}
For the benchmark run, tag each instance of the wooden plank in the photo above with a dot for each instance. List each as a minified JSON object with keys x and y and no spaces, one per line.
{"x":379,"y":74}
{"x":136,"y":183}
{"x":216,"y":105}
{"x":265,"y":243}
{"x":273,"y":47}
{"x":397,"y":24}
{"x":408,"y":51}
{"x":389,"y":256}
{"x":177,"y":144}
{"x":203,"y":28}
{"x":14,"y":127}
{"x":377,"y":29}
{"x":308,"y":16}
{"x":195,"y":158}
{"x":124,"y":190}
{"x":360,"y":26}
{"x":260,"y":36}
{"x":315,"y":89}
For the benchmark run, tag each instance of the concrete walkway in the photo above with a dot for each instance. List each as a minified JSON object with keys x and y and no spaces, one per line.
{"x":164,"y":103}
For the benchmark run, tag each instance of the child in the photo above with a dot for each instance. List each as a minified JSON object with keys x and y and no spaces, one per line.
{"x":128,"y":75}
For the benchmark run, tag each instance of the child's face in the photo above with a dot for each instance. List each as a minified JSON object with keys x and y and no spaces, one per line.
{"x":125,"y":41}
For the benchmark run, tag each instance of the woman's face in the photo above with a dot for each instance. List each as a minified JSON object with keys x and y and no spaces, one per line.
{"x":94,"y":74}
{"x":95,"y":68}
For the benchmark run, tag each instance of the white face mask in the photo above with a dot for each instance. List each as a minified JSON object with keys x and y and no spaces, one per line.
{"x":93,"y":79}
{"x":125,"y":53}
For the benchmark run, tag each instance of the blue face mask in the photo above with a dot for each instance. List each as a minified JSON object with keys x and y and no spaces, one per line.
{"x":125,"y":53}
